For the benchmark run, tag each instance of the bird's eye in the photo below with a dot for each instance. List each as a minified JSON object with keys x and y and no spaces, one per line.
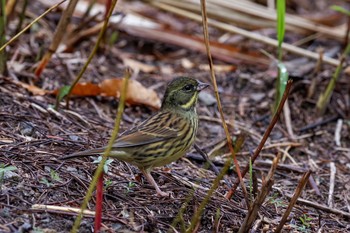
{"x":188,"y":87}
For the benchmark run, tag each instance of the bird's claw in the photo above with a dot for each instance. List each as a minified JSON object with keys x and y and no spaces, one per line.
{"x":165,"y":194}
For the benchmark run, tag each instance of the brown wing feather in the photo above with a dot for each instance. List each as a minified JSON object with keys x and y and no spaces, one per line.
{"x":154,"y":129}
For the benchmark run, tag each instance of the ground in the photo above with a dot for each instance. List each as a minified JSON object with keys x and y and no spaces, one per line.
{"x":33,"y":138}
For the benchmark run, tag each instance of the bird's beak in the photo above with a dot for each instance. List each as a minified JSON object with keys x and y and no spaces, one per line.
{"x":201,"y":85}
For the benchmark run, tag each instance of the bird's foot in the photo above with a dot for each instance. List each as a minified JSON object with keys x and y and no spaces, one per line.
{"x":150,"y":179}
{"x":160,"y":193}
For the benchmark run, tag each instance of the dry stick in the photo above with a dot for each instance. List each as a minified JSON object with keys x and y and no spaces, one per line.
{"x":288,"y":120}
{"x":62,"y":210}
{"x":265,"y":136}
{"x":99,"y":203}
{"x":245,"y":33}
{"x":3,"y":54}
{"x":265,"y":189}
{"x":337,"y":132}
{"x":212,"y":74}
{"x":22,"y":15}
{"x":59,"y":33}
{"x":106,"y":152}
{"x":31,"y":23}
{"x":10,"y":6}
{"x":331,"y":184}
{"x":294,"y":199}
{"x":319,"y":123}
{"x":311,"y":89}
{"x":229,"y":10}
{"x":321,"y":207}
{"x":196,"y":216}
{"x":93,"y":52}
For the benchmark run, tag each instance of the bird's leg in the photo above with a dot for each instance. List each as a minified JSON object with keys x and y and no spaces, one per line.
{"x":150,"y":179}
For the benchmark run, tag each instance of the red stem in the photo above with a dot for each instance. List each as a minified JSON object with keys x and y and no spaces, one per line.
{"x":99,"y":202}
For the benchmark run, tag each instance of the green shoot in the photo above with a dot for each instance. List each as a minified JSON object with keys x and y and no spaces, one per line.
{"x":275,"y":200}
{"x":340,"y":10}
{"x":305,"y":220}
{"x":325,"y":97}
{"x":251,"y":179}
{"x":282,"y":71}
{"x":107,"y":184}
{"x":54,"y":175}
{"x":281,"y":12}
{"x":130,"y":186}
{"x":61,"y":94}
{"x":45,"y":182}
{"x":3,"y":67}
{"x":113,"y":38}
{"x":106,"y":164}
{"x":3,"y":170}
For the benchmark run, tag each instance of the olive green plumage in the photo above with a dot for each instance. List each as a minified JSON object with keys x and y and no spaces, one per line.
{"x":165,"y":136}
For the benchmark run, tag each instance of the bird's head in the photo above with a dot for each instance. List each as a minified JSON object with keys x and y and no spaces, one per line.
{"x":182,"y":93}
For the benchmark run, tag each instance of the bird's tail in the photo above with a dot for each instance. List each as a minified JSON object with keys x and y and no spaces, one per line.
{"x":84,"y":153}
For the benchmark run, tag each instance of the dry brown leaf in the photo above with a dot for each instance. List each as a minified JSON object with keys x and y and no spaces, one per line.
{"x":138,"y":65}
{"x":136,"y":93}
{"x":33,"y":89}
{"x":218,"y":68}
{"x":86,"y":89}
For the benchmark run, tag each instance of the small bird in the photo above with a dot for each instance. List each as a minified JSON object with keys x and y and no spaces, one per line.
{"x":162,"y":138}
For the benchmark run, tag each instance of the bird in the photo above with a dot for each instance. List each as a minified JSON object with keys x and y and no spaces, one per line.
{"x":162,"y":138}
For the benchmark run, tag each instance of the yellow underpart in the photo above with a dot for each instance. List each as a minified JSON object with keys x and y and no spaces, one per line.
{"x":191,"y":102}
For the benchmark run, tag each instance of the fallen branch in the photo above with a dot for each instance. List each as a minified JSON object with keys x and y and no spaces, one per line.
{"x":321,"y":207}
{"x":63,"y":210}
{"x":293,"y":200}
{"x":265,"y":137}
{"x":259,"y":200}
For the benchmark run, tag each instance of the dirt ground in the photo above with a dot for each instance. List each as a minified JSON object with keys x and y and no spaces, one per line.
{"x":33,"y":138}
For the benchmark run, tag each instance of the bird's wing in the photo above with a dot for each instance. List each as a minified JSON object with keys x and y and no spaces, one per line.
{"x":150,"y":132}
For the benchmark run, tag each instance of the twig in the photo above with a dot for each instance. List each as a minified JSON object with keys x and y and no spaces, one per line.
{"x":245,"y":33}
{"x":311,"y":89}
{"x":93,"y":52}
{"x":337,"y":132}
{"x":31,"y":23}
{"x":318,"y":123}
{"x":99,"y":204}
{"x":106,"y":152}
{"x":321,"y":207}
{"x":294,"y":199}
{"x":331,"y":184}
{"x":57,"y":38}
{"x":196,"y":216}
{"x":212,"y":74}
{"x":63,"y":209}
{"x":288,"y":120}
{"x":265,"y":189}
{"x":265,"y":137}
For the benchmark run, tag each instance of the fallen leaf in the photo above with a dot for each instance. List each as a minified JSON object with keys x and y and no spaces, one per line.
{"x":86,"y":89}
{"x":218,"y":68}
{"x":136,"y":65}
{"x":80,"y":89}
{"x":136,"y":94}
{"x":33,"y":89}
